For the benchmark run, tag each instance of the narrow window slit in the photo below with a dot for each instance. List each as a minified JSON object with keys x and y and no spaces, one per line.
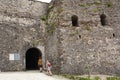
{"x":74,"y":19}
{"x":113,"y":35}
{"x":103,"y":19}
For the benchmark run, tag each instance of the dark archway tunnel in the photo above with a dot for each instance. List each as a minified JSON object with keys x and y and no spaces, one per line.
{"x":32,"y":56}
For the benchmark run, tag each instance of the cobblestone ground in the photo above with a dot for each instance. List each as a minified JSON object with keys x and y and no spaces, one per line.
{"x":28,"y":75}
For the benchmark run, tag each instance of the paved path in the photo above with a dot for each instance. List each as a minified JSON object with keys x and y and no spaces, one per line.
{"x":28,"y":75}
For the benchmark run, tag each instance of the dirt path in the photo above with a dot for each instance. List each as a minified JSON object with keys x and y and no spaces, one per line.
{"x":28,"y":75}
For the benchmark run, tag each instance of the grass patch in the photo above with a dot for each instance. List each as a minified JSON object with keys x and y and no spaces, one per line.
{"x":73,"y":77}
{"x":96,"y":78}
{"x":113,"y":78}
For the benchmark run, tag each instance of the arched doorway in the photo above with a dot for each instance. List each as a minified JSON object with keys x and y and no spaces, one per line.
{"x":32,"y":56}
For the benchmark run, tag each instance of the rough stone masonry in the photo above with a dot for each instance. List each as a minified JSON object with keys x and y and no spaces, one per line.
{"x":77,"y":36}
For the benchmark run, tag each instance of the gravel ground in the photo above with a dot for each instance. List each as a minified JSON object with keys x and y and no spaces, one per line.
{"x":28,"y":75}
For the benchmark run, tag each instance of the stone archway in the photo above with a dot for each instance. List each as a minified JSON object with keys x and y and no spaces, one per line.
{"x":32,"y":56}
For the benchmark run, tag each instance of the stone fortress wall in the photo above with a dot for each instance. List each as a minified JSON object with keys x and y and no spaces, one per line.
{"x":86,"y":38}
{"x":77,"y":36}
{"x":20,"y":29}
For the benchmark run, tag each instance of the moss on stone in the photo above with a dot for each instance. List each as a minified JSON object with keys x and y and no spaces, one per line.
{"x":50,"y":7}
{"x":110,"y":4}
{"x":98,"y":2}
{"x":43,"y":18}
{"x":50,"y":29}
{"x":96,"y":10}
{"x":82,"y":5}
{"x":88,"y":28}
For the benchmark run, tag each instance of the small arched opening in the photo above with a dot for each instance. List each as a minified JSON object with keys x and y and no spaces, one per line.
{"x":74,"y":19}
{"x":32,"y":56}
{"x":103,"y":19}
{"x":113,"y":34}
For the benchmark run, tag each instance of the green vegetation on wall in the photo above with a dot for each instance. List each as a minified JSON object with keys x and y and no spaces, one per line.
{"x":88,"y":28}
{"x":50,"y":29}
{"x":43,"y":18}
{"x":82,"y":5}
{"x":74,"y":33}
{"x":50,"y":7}
{"x":98,"y":2}
{"x":110,"y":4}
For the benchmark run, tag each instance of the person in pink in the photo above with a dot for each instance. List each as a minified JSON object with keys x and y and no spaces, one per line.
{"x":48,"y":66}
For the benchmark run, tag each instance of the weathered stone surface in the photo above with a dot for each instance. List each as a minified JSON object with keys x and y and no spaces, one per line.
{"x":20,"y":29}
{"x":89,"y":47}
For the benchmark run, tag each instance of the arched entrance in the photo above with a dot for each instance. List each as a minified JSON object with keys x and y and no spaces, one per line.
{"x":32,"y":56}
